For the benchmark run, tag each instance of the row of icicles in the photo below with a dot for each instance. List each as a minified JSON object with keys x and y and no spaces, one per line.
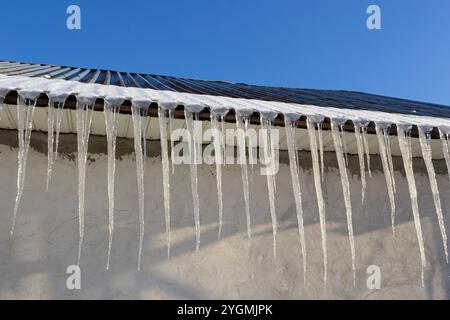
{"x":25,"y":110}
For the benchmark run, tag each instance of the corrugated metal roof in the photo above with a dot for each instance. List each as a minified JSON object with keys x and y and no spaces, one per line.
{"x":323,"y":98}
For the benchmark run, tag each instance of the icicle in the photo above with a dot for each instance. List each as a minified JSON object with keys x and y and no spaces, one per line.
{"x":319,"y":194}
{"x":266,"y":126}
{"x":405,"y":148}
{"x":359,"y":145}
{"x":50,"y":141}
{"x":387,"y":173}
{"x":136,"y":114}
{"x":240,"y":122}
{"x":337,"y":138}
{"x":25,"y":111}
{"x":320,"y":135}
{"x":218,"y":154}
{"x":292,"y":150}
{"x":59,"y":114}
{"x":389,"y":157}
{"x":193,"y":144}
{"x":111,"y":123}
{"x":445,"y":148}
{"x":163,"y":127}
{"x":426,"y":152}
{"x":367,"y":151}
{"x":84,"y":119}
{"x":172,"y":142}
{"x":344,"y":146}
{"x":144,"y":136}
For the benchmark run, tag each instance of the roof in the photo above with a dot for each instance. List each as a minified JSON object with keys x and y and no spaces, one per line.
{"x":323,"y":98}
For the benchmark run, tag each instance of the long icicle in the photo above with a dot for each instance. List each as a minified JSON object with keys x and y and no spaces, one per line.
{"x":426,"y":152}
{"x":337,"y":138}
{"x":445,"y":151}
{"x":290,"y":128}
{"x":25,"y":111}
{"x":136,"y":114}
{"x":189,"y":117}
{"x":266,"y":126}
{"x":240,"y":122}
{"x":366,"y":150}
{"x":319,"y":194}
{"x":84,"y":119}
{"x":359,"y":145}
{"x":163,"y":127}
{"x":50,"y":141}
{"x":111,"y":123}
{"x":320,"y":135}
{"x":389,"y":157}
{"x":387,"y":173}
{"x":59,"y":114}
{"x":218,"y":155}
{"x":172,"y":142}
{"x":405,"y":147}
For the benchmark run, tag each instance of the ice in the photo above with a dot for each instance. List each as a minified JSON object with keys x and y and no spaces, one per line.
{"x":292,"y":150}
{"x":50,"y":141}
{"x":366,"y":150}
{"x":193,"y":145}
{"x":320,"y":136}
{"x":163,"y":127}
{"x":59,"y":114}
{"x":359,"y":145}
{"x":172,"y":142}
{"x":337,"y":138}
{"x":445,"y":148}
{"x":404,"y":142}
{"x":84,"y":119}
{"x":218,"y":154}
{"x":318,"y":186}
{"x":111,"y":113}
{"x":426,"y":152}
{"x":25,"y":111}
{"x":387,"y":173}
{"x":240,"y":122}
{"x":389,"y":157}
{"x":136,"y":114}
{"x":266,"y":126}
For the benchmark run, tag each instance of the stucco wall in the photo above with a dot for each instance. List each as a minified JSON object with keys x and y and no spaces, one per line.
{"x":33,"y":263}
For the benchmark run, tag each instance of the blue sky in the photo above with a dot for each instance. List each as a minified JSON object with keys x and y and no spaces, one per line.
{"x":297,"y":43}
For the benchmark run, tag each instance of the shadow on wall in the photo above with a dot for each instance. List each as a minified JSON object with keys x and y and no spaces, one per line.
{"x":34,"y":262}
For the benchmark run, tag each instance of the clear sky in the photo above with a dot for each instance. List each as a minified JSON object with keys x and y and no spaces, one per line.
{"x":295,"y":43}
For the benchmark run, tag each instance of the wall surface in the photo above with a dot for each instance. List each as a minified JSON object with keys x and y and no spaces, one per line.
{"x":33,"y":263}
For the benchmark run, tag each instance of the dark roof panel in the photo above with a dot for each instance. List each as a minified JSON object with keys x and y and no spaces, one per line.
{"x":324,"y":98}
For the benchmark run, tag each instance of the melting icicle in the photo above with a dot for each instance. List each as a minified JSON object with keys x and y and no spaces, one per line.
{"x":59,"y":114}
{"x":426,"y":152}
{"x":218,"y":154}
{"x":359,"y":145}
{"x":319,"y":194}
{"x":111,"y":123}
{"x":290,"y":128}
{"x":405,"y":148}
{"x":193,"y":144}
{"x":444,"y":140}
{"x":84,"y":119}
{"x":366,"y":150}
{"x":320,"y":135}
{"x":172,"y":142}
{"x":337,"y":138}
{"x":25,"y":111}
{"x":387,"y":173}
{"x":136,"y":113}
{"x":50,"y":141}
{"x":344,"y":146}
{"x":163,"y":127}
{"x":266,"y":126}
{"x":240,"y":122}
{"x":389,"y":157}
